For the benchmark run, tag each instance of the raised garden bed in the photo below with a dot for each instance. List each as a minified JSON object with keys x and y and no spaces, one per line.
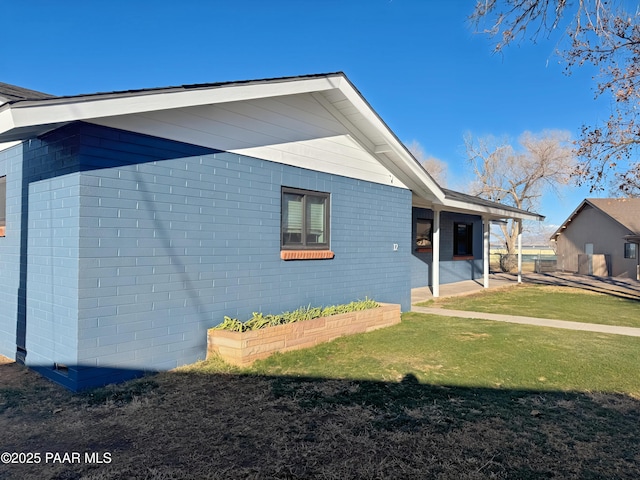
{"x":243,"y":348}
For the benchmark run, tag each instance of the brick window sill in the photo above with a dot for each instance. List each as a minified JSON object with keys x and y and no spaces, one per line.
{"x":424,"y":249}
{"x":306,"y":254}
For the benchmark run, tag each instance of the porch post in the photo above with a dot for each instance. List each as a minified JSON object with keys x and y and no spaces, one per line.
{"x":485,"y":255}
{"x":519,"y":224}
{"x":435,"y":263}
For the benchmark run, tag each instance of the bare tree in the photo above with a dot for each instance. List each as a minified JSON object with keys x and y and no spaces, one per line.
{"x":597,"y":32}
{"x":519,"y":178}
{"x":436,"y":168}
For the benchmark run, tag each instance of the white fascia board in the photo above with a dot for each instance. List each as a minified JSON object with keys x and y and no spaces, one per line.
{"x":391,"y":144}
{"x":6,"y":120}
{"x":6,"y":145}
{"x":385,"y":159}
{"x":489,"y":212}
{"x":59,"y":110}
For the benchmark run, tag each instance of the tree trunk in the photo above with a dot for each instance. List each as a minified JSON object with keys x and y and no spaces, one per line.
{"x":510,"y":230}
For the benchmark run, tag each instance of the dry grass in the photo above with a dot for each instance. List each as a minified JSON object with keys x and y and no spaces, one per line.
{"x":202,"y":423}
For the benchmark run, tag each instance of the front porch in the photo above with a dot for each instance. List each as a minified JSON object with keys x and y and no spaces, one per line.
{"x":450,"y":251}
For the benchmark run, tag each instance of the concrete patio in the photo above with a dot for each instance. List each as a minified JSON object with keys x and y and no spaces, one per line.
{"x":424,"y":294}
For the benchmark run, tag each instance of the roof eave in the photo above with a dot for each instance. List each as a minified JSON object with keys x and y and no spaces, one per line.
{"x":29,"y":118}
{"x":487,"y":208}
{"x":415,"y":176}
{"x":558,"y":232}
{"x":570,"y":218}
{"x":29,"y":115}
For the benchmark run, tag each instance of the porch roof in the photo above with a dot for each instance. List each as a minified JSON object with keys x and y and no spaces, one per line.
{"x":464,"y":203}
{"x":492,"y":210}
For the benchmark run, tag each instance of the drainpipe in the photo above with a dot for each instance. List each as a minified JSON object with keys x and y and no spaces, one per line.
{"x":435,"y":262}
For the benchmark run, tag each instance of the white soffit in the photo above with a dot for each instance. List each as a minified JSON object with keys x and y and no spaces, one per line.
{"x":87,"y":107}
{"x":291,"y":129}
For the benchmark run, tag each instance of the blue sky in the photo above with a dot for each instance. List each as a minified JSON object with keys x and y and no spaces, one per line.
{"x":417,"y":62}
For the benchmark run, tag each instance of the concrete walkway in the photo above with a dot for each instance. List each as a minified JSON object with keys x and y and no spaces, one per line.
{"x":619,"y":287}
{"x":541,"y":322}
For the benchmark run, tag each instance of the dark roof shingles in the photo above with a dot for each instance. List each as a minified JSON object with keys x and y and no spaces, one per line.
{"x":12,"y":93}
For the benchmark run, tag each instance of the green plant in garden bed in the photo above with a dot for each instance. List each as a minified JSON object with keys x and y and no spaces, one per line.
{"x":259,"y":320}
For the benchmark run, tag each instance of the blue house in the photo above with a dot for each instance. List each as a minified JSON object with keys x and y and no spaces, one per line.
{"x":131,"y":222}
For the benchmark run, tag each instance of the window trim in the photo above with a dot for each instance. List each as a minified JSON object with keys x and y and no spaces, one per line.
{"x":469,"y":254}
{"x":297,"y":250}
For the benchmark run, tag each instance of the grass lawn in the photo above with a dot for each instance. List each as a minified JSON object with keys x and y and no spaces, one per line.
{"x":473,"y":353}
{"x":559,"y":303}
{"x":432,"y":397}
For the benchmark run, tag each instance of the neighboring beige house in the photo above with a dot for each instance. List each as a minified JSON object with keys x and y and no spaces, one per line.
{"x":601,"y":237}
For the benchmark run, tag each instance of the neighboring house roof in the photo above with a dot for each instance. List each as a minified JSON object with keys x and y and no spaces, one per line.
{"x":28,"y":114}
{"x":624,"y":211}
{"x":12,"y":93}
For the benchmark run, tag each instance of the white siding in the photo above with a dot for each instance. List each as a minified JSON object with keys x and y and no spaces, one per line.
{"x":295,"y":130}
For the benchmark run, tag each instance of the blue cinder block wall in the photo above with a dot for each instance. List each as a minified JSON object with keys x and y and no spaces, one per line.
{"x":451,"y":270}
{"x":39,"y":255}
{"x":11,"y":166}
{"x":170,"y":238}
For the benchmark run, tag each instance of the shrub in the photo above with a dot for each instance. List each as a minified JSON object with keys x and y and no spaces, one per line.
{"x":508,"y":262}
{"x":259,"y":320}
